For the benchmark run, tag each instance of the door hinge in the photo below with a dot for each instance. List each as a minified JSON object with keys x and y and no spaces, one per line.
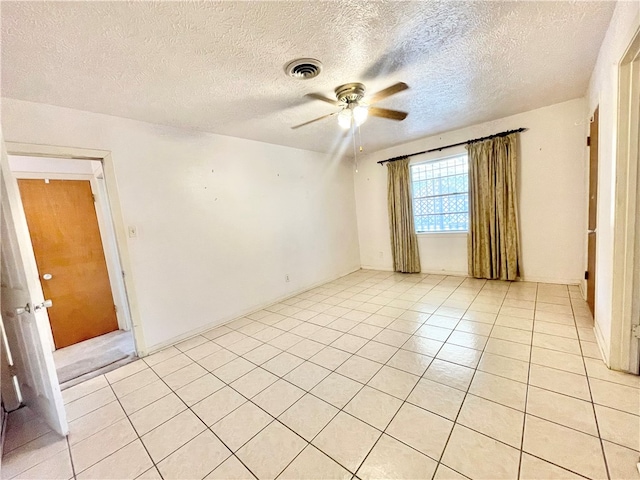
{"x":635,"y":331}
{"x":588,"y":141}
{"x":12,"y":370}
{"x":115,"y":308}
{"x":93,"y":197}
{"x":586,"y":275}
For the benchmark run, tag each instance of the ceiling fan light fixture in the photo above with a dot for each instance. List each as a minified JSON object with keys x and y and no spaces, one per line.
{"x":360,"y":114}
{"x":354,"y":109}
{"x":344,"y":118}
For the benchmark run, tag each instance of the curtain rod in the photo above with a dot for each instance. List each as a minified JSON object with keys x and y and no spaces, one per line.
{"x":501,"y":134}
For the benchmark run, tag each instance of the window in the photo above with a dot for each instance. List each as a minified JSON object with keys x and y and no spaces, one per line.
{"x":441,"y":195}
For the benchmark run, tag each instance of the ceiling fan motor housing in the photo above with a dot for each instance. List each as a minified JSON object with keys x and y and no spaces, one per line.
{"x":350,"y":93}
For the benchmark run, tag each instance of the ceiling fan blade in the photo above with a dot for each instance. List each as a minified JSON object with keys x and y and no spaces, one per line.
{"x":386,"y":113}
{"x":317,"y":96}
{"x":387,"y":92}
{"x":314,"y":120}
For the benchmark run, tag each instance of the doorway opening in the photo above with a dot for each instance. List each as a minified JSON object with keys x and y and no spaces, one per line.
{"x":70,"y":224}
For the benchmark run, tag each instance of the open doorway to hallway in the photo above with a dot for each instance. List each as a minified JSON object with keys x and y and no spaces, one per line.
{"x":70,"y":225}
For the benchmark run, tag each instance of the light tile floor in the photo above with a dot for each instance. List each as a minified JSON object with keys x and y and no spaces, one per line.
{"x":376,"y":375}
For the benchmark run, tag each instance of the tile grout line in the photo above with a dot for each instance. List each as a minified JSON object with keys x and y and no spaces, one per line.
{"x":102,"y":429}
{"x":338,"y":412}
{"x":229,"y":385}
{"x":526,"y":401}
{"x":73,"y":467}
{"x":308,"y":443}
{"x":526,"y":395}
{"x":138,"y":437}
{"x":185,"y":351}
{"x":130,"y":392}
{"x":333,"y":371}
{"x":66,"y":439}
{"x":433,"y":358}
{"x":546,"y":420}
{"x":342,"y":333}
{"x":8,"y":452}
{"x":593,"y":405}
{"x":382,"y":432}
{"x":207,"y":427}
{"x":455,"y":421}
{"x":438,"y":461}
{"x":249,"y":400}
{"x":530,"y":345}
{"x":369,"y":339}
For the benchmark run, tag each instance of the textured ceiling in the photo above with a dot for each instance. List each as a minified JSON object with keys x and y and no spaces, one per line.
{"x":218,"y":66}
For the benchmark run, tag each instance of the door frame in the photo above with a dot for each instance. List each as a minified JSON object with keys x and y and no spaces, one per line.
{"x":107,"y":235}
{"x":625,"y":352}
{"x":592,"y":212}
{"x":117,"y":220}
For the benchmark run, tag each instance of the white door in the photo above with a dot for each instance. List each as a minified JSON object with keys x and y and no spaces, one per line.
{"x":25,"y":319}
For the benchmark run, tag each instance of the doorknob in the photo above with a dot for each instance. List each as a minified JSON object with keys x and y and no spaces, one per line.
{"x":21,"y":310}
{"x":47,"y":276}
{"x":45,"y":304}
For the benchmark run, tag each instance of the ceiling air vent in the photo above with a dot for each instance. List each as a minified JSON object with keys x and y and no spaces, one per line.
{"x":304,"y":68}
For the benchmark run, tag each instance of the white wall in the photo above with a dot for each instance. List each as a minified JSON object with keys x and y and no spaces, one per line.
{"x":552,"y":196}
{"x":603,"y":91}
{"x":220,"y":220}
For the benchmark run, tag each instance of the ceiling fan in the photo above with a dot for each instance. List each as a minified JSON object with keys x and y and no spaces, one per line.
{"x":354,"y":108}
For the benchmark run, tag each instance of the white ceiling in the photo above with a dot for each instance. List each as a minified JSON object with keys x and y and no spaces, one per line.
{"x":219,"y":66}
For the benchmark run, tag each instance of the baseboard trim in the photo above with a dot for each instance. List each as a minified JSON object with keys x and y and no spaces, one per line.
{"x":379,"y":269}
{"x":445,"y":272}
{"x":600,"y":342}
{"x":198,"y":331}
{"x":427,"y":272}
{"x":583,"y":290}
{"x":559,"y":281}
{"x":465,"y":274}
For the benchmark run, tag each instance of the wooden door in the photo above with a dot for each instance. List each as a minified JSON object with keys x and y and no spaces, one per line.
{"x":593,"y":204}
{"x":23,"y":314}
{"x":66,"y":241}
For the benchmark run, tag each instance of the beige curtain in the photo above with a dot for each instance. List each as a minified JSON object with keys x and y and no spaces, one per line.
{"x":404,"y":242}
{"x":493,"y":232}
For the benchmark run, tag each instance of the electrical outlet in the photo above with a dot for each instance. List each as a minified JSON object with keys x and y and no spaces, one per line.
{"x":286,"y":277}
{"x":133,"y":231}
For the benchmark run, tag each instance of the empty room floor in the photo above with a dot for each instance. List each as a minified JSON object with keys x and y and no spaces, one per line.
{"x":377,"y":375}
